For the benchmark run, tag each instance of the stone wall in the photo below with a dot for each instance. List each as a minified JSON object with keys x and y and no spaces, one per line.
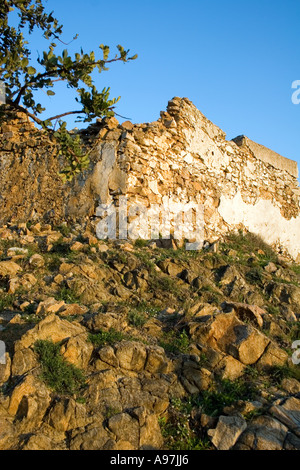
{"x":182,"y":157}
{"x":267,"y":155}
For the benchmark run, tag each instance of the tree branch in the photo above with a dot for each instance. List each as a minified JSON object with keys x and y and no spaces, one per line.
{"x":35,"y":118}
{"x":57,"y":72}
{"x":24,"y":110}
{"x":64,"y":114}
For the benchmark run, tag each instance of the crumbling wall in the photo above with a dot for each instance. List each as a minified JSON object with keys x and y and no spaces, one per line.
{"x":182,"y":157}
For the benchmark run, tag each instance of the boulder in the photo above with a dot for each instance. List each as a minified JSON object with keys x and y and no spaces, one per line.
{"x":23,"y":361}
{"x":106,"y":321}
{"x":246,"y":312}
{"x":67,"y":414}
{"x":263,"y":433}
{"x":227,"y":432}
{"x":125,"y":428}
{"x":77,"y":350}
{"x":228,"y":334}
{"x":29,"y":401}
{"x":50,"y":305}
{"x":9,"y":268}
{"x":72,"y":309}
{"x":50,"y":328}
{"x":131,"y":355}
{"x":247,"y":345}
{"x":230,"y":368}
{"x":36,"y":261}
{"x":272,"y":356}
{"x":288,"y":413}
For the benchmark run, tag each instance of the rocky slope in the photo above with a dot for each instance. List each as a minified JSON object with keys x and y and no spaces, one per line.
{"x":118,"y":345}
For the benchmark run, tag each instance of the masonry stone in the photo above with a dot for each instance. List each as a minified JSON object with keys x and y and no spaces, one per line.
{"x":182,"y":158}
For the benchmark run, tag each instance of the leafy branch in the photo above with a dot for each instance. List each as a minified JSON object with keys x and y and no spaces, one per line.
{"x":22,"y":78}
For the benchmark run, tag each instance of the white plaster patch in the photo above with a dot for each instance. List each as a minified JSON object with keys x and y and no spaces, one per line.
{"x":200,"y":143}
{"x":263,"y":219}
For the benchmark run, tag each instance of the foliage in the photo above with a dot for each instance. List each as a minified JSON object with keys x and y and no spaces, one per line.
{"x":106,"y":337}
{"x":295,"y":268}
{"x":141,"y":243}
{"x":58,"y":374}
{"x":248,"y":243}
{"x":175,"y":343}
{"x":178,"y":429}
{"x":137,"y":318}
{"x":6,"y":300}
{"x":278,"y":373}
{"x":164,"y":283}
{"x":23,"y":76}
{"x":213,"y":401}
{"x":64,"y":229}
{"x":68,"y":295}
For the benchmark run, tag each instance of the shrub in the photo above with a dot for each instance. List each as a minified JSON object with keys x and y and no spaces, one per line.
{"x":57,"y":373}
{"x":175,"y":343}
{"x":178,"y":429}
{"x":137,"y":318}
{"x":106,"y":337}
{"x":68,"y":295}
{"x":244,"y":244}
{"x":278,"y":373}
{"x":212,"y":402}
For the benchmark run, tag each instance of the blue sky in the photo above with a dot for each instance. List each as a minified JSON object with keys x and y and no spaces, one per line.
{"x":234,"y":59}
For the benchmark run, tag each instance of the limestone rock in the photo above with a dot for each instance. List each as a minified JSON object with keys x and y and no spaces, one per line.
{"x":157,"y":362}
{"x":77,"y":350}
{"x":36,"y":261}
{"x":50,"y":305}
{"x":227,"y":432}
{"x":230,"y":368}
{"x":228,"y":334}
{"x":131,"y":355}
{"x":9,"y":268}
{"x":7,"y":433}
{"x":272,"y":356}
{"x":72,"y":309}
{"x":66,"y":415}
{"x":26,"y":282}
{"x":263,"y":433}
{"x":5,"y":369}
{"x":23,"y":361}
{"x":150,"y":434}
{"x":93,"y":437}
{"x":106,"y":321}
{"x":50,"y":328}
{"x":29,"y":402}
{"x":288,"y":413}
{"x":125,"y":428}
{"x":248,"y":344}
{"x":248,"y":312}
{"x":194,"y":378}
{"x":292,"y":386}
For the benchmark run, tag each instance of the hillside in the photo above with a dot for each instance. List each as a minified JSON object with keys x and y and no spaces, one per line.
{"x":144,"y":345}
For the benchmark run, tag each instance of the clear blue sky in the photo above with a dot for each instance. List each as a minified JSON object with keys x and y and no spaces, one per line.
{"x":234,"y":59}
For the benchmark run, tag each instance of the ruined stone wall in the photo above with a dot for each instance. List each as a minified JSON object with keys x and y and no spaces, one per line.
{"x":182,"y":157}
{"x":185,"y":157}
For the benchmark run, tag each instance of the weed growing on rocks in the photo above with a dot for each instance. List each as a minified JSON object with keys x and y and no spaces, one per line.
{"x":57,"y":373}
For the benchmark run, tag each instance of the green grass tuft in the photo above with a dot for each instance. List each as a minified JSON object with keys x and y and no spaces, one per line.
{"x":57,"y":373}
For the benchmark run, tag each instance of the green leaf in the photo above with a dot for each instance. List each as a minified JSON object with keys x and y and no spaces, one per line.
{"x":50,"y":93}
{"x":31,"y":70}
